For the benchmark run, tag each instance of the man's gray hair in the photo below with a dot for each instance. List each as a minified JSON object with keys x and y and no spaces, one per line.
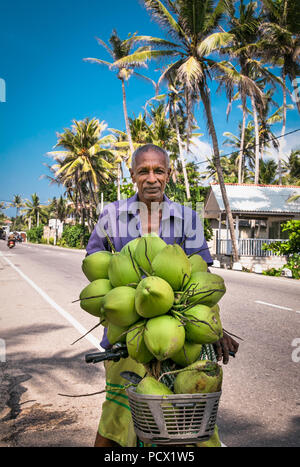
{"x":146,"y":148}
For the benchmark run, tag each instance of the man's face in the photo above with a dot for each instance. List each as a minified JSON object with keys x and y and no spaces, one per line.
{"x":151,"y":175}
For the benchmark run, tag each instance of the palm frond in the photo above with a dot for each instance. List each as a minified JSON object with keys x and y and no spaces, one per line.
{"x":214,"y":42}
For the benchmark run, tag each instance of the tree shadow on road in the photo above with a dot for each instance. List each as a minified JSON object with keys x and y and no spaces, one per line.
{"x":52,"y":372}
{"x":237,"y":432}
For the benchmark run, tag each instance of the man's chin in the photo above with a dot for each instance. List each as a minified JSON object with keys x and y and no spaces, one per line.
{"x":155,"y":196}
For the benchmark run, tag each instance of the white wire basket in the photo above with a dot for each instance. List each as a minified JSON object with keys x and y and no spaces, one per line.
{"x":174,"y":419}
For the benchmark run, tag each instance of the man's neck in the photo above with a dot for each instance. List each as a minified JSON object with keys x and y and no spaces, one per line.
{"x":150,"y":217}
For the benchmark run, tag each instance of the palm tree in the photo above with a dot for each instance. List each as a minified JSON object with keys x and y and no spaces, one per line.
{"x":244,"y":29}
{"x":266,"y":121}
{"x":85,"y":160}
{"x":17,"y":203}
{"x":267,"y":172}
{"x":33,"y":209}
{"x":280,"y":45}
{"x":248,"y":157}
{"x":174,"y":107}
{"x":117,"y":50}
{"x":192,"y":24}
{"x":291,"y":168}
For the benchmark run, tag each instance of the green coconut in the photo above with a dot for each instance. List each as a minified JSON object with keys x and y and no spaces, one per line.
{"x":147,"y":248}
{"x":172,"y":265}
{"x":207,"y":288}
{"x":151,"y":386}
{"x":153,"y":297}
{"x":123,"y":271}
{"x":189,"y":353}
{"x":118,"y":306}
{"x":198,"y":264}
{"x":216,"y":308}
{"x":203,"y":325}
{"x":135,"y":342}
{"x":95,"y":266}
{"x":130,"y":245}
{"x":116,"y":333}
{"x":201,"y":377}
{"x":164,"y":336}
{"x":97,"y":289}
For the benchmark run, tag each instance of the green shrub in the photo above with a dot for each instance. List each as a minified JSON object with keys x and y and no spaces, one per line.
{"x":273,"y":272}
{"x":35,"y":234}
{"x":61,"y":242}
{"x":75,"y":236}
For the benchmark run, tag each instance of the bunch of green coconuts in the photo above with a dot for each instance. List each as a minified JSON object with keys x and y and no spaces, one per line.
{"x":163,"y":304}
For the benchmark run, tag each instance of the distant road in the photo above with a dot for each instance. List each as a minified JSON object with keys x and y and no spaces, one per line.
{"x":260,"y":404}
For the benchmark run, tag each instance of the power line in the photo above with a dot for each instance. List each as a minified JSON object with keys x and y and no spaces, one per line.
{"x":254,"y":145}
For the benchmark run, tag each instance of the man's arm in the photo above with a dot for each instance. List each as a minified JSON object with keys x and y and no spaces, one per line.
{"x":98,"y":241}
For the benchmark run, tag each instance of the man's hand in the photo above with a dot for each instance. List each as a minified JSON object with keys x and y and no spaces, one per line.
{"x":224,"y":346}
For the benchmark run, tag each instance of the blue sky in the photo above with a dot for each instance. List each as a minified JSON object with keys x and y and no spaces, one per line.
{"x":48,"y":84}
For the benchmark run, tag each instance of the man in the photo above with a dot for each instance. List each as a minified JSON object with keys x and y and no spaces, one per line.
{"x":147,"y":211}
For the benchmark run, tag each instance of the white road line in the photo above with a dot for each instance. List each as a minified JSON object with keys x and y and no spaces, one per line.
{"x":275,"y":306}
{"x":54,"y":305}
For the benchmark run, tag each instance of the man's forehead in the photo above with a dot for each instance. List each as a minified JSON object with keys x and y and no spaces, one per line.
{"x":150,"y":158}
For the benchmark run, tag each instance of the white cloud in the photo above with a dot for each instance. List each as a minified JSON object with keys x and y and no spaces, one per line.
{"x":288,"y":143}
{"x":199,"y":151}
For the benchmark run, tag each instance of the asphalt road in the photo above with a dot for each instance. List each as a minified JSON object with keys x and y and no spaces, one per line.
{"x":260,"y":404}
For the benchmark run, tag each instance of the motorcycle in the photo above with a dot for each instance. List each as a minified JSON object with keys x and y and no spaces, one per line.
{"x":11,"y":243}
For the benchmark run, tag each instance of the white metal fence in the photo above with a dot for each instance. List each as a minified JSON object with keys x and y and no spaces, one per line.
{"x":246,"y":247}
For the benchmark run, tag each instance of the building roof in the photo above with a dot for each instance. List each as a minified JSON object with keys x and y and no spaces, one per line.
{"x":246,"y":198}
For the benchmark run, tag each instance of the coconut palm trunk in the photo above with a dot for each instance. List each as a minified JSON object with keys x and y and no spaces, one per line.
{"x":126,"y":117}
{"x":296,"y":93}
{"x":256,"y":131}
{"x":118,"y":180}
{"x":207,"y":105}
{"x":186,"y":180}
{"x":241,"y":159}
{"x":283,"y":129}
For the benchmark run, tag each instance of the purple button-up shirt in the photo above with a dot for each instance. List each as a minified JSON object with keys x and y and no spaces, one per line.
{"x":119,"y":223}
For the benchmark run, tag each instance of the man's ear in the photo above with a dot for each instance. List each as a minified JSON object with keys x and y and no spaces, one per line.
{"x":169,"y":174}
{"x":132,"y":175}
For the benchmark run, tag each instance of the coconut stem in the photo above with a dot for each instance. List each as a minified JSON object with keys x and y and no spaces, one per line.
{"x":196,"y":252}
{"x":196,"y":320}
{"x":88,"y":332}
{"x":113,"y":249}
{"x":133,"y":264}
{"x":183,"y":279}
{"x":87,"y":298}
{"x":205,"y":370}
{"x":148,"y":259}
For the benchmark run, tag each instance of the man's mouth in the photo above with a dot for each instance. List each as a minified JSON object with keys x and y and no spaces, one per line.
{"x":152,"y":190}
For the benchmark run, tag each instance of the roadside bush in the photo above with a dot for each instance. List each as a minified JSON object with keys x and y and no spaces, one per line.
{"x":273,"y":272}
{"x":61,"y":242}
{"x":35,"y":234}
{"x":76,"y":236}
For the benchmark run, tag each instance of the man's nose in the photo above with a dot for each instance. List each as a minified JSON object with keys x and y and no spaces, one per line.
{"x":151,"y":177}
